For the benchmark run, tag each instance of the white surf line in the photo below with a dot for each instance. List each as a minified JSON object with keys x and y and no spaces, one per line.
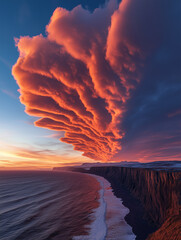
{"x":109,"y":218}
{"x":98,"y":228}
{"x":117,"y":227}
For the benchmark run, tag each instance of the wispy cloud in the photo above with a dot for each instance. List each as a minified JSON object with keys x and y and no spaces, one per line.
{"x":55,"y":135}
{"x":9,"y":93}
{"x":5,"y":62}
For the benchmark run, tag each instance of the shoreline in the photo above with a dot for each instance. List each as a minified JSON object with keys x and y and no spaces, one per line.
{"x":141,"y":227}
{"x":116,"y":224}
{"x":151,"y":195}
{"x":135,"y":218}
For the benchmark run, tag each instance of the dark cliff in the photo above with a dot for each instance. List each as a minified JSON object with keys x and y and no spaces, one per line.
{"x":170,"y":229}
{"x":158,"y":192}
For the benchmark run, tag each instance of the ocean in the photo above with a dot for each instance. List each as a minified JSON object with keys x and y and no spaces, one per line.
{"x":60,"y":206}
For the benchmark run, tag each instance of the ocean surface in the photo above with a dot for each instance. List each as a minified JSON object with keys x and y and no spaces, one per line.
{"x":60,"y":206}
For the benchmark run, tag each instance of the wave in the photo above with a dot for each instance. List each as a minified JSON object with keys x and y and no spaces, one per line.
{"x":62,"y":206}
{"x":38,"y":199}
{"x":97,"y":227}
{"x":108,"y":219}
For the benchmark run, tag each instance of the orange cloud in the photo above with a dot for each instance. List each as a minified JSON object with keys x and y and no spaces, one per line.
{"x":78,"y":79}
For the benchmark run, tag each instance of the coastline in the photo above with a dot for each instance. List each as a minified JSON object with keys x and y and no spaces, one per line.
{"x":135,"y":218}
{"x":151,"y":194}
{"x":108,"y":219}
{"x":115,"y":212}
{"x":97,"y":217}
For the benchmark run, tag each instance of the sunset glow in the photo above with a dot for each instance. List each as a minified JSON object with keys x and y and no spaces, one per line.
{"x":99,"y":82}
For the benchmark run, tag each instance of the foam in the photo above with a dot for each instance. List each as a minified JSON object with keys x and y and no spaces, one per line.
{"x":98,"y":227}
{"x":109,"y":222}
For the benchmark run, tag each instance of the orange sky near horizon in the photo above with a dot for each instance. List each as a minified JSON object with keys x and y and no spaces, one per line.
{"x":24,"y":159}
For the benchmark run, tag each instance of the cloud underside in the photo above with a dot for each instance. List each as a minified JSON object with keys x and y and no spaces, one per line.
{"x":81,"y":77}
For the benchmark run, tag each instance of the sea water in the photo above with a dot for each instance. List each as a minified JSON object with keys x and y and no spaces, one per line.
{"x":60,"y":206}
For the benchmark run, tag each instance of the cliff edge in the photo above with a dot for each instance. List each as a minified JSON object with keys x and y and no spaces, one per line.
{"x":158,"y":192}
{"x":153,"y":196}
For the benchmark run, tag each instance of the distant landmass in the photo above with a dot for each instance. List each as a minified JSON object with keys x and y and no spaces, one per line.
{"x":159,"y":165}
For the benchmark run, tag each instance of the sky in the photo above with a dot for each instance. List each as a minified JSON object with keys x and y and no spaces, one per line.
{"x":85,"y":81}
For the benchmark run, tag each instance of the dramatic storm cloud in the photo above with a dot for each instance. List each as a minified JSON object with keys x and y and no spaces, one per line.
{"x":103,"y":77}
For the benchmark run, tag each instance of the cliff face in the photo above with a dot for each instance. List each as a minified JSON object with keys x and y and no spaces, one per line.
{"x":158,"y":191}
{"x":170,"y":230}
